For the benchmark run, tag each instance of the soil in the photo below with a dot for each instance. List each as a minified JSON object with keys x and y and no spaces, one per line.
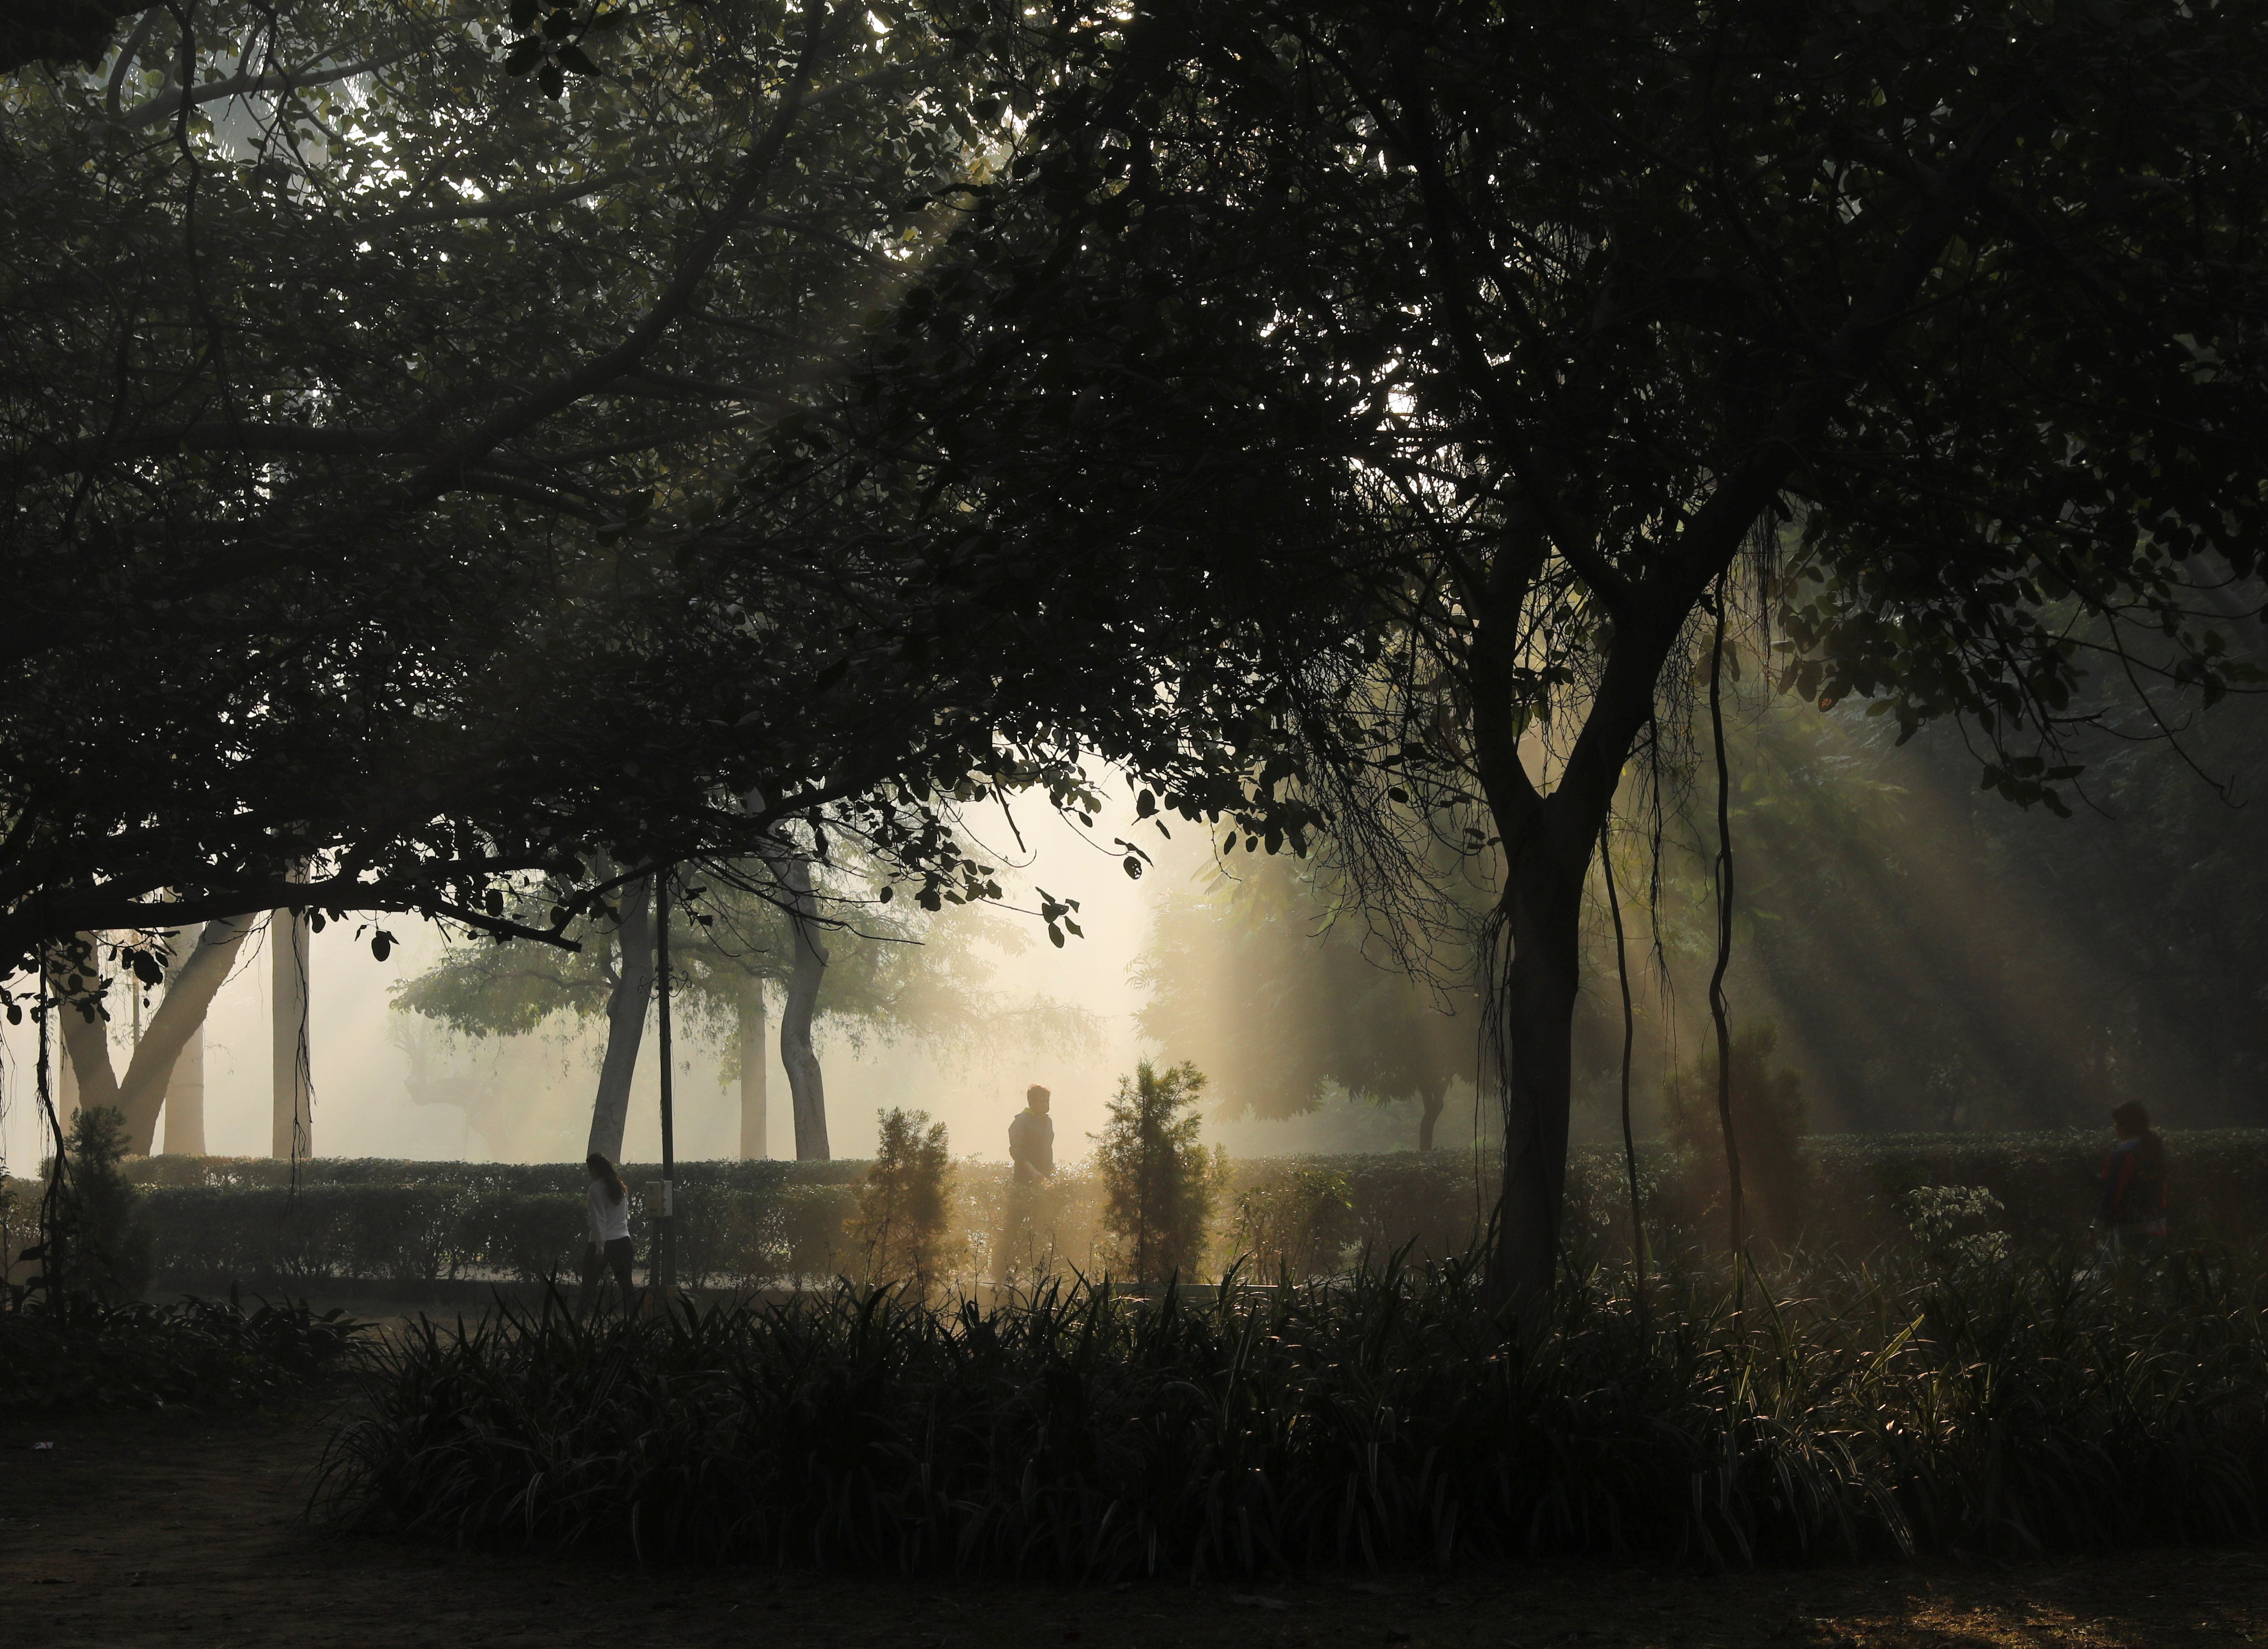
{"x":170,"y":1528}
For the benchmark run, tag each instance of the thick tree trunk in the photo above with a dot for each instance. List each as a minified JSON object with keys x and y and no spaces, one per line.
{"x":756,"y":1122}
{"x":290,"y":1121}
{"x":1430,"y":1101}
{"x":806,"y":1090}
{"x":66,"y":1083}
{"x":184,"y":1103}
{"x":1533,"y":966}
{"x":626,"y":1010}
{"x":188,"y":997}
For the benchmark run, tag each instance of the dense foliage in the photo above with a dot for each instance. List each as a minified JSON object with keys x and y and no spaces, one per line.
{"x":1390,"y":1418}
{"x":202,"y":1352}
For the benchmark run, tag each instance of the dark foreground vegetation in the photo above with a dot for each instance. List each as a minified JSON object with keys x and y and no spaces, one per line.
{"x":1931,"y":1407}
{"x":94,"y":1354}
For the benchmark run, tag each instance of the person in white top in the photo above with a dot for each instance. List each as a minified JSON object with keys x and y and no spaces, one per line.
{"x":609,"y":1247}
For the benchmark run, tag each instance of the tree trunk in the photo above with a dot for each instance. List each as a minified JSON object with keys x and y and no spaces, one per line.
{"x":626,"y":1010}
{"x":1431,"y":1100}
{"x":290,"y":1121}
{"x":806,"y":1090}
{"x":1531,"y":1024}
{"x":184,"y":1103}
{"x":182,"y":1012}
{"x":66,"y":1084}
{"x":756,"y":1122}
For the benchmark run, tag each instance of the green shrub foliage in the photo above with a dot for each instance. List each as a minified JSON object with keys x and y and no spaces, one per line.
{"x":1159,"y":1181}
{"x":1298,"y":1222}
{"x":1768,"y":1120}
{"x":194,"y":1351}
{"x":106,"y":1242}
{"x":1086,"y":1436}
{"x":905,"y":1206}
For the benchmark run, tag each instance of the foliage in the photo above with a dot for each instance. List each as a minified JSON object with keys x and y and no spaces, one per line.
{"x":1964,"y":347}
{"x":1159,"y":1181}
{"x":905,"y":1204}
{"x":1296,"y":1223}
{"x":106,"y":1239}
{"x":1953,"y":1225}
{"x":1278,"y":991}
{"x":1392,"y":1419}
{"x":455,"y":453}
{"x":198,"y":1351}
{"x":764,"y":1225}
{"x":889,"y":973}
{"x":1768,"y":1126}
{"x":1938,"y":961}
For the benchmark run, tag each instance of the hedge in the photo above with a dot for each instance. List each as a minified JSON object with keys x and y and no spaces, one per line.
{"x":774,"y":1225}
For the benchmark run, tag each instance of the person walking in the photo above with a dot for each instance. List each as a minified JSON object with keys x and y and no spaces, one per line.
{"x":1032,"y":1139}
{"x":2133,"y":1207}
{"x":1022,"y":1250}
{"x":609,"y":1225}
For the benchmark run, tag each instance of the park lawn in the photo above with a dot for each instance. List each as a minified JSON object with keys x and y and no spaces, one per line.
{"x":146,"y":1529}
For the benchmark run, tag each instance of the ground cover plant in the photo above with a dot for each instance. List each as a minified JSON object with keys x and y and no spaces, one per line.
{"x":1388,"y":1415}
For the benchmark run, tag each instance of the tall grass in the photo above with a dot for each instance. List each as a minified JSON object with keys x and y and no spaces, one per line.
{"x":1393,"y":1416}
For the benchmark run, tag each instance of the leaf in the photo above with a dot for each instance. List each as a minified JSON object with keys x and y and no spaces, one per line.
{"x":578,"y":60}
{"x":553,"y":79}
{"x":522,"y":56}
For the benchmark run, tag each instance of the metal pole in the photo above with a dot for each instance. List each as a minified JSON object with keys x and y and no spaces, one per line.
{"x":666,"y":1246}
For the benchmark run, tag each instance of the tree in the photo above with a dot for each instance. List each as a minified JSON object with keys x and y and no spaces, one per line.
{"x":1930,"y":318}
{"x":1158,"y":1182}
{"x":1278,"y":992}
{"x":890,"y":975}
{"x":461,"y":459}
{"x":353,"y":387}
{"x":905,"y":1205}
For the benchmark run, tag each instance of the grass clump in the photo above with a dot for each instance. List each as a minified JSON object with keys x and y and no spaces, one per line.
{"x":1389,"y":1417}
{"x":94,"y":1354}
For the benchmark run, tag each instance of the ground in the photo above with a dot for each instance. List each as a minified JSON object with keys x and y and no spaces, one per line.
{"x":172,"y":1529}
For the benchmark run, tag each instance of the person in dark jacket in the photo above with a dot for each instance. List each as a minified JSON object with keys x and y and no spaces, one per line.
{"x":2133,"y":1208}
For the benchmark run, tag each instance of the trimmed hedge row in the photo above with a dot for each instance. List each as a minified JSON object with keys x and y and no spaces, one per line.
{"x":756,"y":1225}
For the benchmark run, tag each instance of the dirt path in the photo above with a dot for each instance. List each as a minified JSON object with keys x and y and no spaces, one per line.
{"x":165,"y":1530}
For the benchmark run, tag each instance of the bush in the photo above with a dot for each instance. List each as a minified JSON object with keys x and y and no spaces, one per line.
{"x":103,"y":1355}
{"x":103,"y":1243}
{"x":1768,"y":1119}
{"x":903,"y":1207}
{"x":1298,"y":1222}
{"x":759,"y":1224}
{"x":1396,"y":1417}
{"x":1158,"y":1182}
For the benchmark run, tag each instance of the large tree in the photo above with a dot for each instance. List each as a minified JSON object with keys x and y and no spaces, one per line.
{"x":426,"y":476}
{"x":351,"y":386}
{"x":1932,"y":317}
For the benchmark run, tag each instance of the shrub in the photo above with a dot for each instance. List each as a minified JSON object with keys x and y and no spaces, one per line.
{"x":1078,"y":1435}
{"x":1297,"y":1222}
{"x":1767,"y":1117}
{"x":903,"y":1205}
{"x":105,"y":1243}
{"x":133,"y":1354}
{"x":1158,"y":1182}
